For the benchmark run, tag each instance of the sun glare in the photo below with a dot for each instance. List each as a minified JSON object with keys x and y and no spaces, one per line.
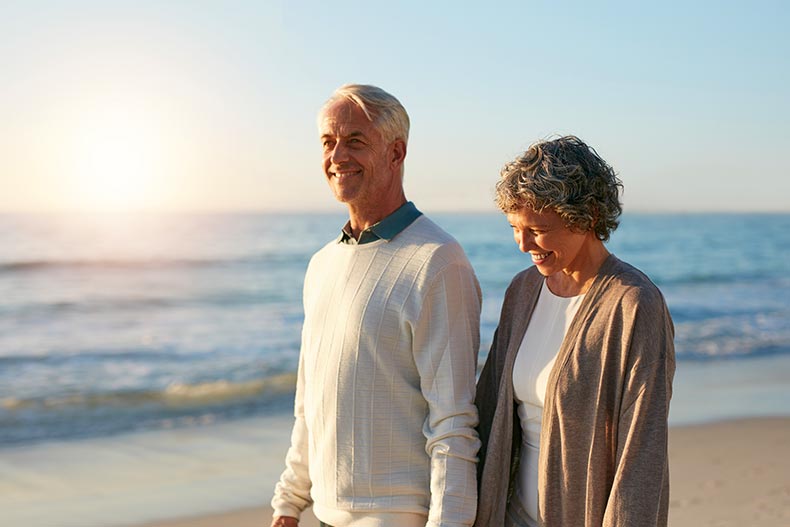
{"x":116,"y":162}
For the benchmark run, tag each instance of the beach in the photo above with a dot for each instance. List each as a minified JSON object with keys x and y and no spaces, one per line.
{"x":727,"y":473}
{"x":733,"y":473}
{"x":147,"y":367}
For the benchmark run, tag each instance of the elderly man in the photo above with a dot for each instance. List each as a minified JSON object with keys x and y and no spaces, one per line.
{"x":384,"y":432}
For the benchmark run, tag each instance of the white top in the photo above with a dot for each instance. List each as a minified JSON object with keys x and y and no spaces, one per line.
{"x":539,"y":348}
{"x":384,"y":433}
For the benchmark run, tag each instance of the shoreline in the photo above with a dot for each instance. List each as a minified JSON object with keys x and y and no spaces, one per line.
{"x":724,"y":473}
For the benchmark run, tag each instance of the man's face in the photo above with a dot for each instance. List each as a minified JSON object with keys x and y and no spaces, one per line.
{"x":361,"y":167}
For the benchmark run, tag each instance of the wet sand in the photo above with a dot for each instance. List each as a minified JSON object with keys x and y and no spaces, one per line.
{"x":733,"y":473}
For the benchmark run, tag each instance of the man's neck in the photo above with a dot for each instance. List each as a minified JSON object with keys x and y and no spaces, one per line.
{"x":363,"y":218}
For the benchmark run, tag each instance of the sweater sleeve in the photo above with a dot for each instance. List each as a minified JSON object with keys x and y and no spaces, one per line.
{"x":446,"y":342}
{"x":640,"y":491}
{"x":292,"y":493}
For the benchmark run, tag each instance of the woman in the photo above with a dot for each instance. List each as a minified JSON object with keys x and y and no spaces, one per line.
{"x":574,"y":395}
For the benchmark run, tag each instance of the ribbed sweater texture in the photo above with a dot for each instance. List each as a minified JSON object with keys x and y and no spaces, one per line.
{"x":385,"y":415}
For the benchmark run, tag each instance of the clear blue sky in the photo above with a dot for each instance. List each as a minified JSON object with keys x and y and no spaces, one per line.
{"x":211,"y":105}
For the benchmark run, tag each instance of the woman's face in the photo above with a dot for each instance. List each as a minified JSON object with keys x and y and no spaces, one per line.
{"x":552,"y":246}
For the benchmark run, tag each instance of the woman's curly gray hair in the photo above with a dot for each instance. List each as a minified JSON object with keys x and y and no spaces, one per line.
{"x":567,"y":176}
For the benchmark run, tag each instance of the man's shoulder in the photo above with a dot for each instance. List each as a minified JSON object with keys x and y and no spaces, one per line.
{"x":425,"y":231}
{"x":427,"y":227}
{"x":323,"y":255}
{"x":327,"y":248}
{"x":428,"y":239}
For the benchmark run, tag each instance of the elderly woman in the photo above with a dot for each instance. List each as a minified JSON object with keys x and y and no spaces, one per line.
{"x":574,"y":395}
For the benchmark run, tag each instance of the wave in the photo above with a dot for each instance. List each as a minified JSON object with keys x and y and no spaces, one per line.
{"x":60,"y":359}
{"x":48,"y":265}
{"x":733,"y":337}
{"x":175,"y":395}
{"x":718,"y":278}
{"x":92,"y":305}
{"x":736,"y":351}
{"x":120,"y":303}
{"x":282,"y":257}
{"x":703,"y":315}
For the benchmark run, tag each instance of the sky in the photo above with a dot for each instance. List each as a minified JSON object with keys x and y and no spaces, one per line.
{"x":211,"y":106}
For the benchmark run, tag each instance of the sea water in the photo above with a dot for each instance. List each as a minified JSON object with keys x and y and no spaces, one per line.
{"x":136,"y":344}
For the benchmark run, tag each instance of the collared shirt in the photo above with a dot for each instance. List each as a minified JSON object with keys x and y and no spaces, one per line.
{"x":386,"y":229}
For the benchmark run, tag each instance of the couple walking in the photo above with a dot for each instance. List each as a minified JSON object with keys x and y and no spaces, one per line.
{"x":567,"y":425}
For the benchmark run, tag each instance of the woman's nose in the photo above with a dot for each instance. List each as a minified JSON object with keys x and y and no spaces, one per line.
{"x":524,"y":241}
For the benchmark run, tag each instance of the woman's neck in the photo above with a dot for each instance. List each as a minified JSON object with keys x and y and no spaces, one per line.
{"x":578,"y":278}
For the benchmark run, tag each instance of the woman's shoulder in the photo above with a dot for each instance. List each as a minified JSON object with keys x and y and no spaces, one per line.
{"x":526,"y":278}
{"x":519,"y":295}
{"x":629,"y":286}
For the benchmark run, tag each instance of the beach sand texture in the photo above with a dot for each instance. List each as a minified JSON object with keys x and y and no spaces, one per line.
{"x":729,"y":474}
{"x":734,"y":473}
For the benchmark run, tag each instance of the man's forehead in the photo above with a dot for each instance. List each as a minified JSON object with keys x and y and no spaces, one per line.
{"x":344,"y":118}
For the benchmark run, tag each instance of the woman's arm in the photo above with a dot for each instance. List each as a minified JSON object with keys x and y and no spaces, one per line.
{"x":640,"y":491}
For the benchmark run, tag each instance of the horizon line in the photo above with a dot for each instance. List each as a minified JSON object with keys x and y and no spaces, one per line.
{"x":329,"y":210}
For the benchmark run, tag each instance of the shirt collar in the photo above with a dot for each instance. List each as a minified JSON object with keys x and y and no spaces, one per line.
{"x":386,"y":229}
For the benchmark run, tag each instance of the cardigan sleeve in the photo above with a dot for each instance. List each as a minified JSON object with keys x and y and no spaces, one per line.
{"x":486,"y":401}
{"x":500,"y":433}
{"x":640,"y":491}
{"x":446,"y":342}
{"x":499,"y":436}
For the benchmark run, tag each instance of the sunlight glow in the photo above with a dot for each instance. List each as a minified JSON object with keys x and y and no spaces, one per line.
{"x":116,"y":161}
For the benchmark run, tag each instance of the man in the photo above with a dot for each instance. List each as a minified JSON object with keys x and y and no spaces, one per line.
{"x":384,"y":432}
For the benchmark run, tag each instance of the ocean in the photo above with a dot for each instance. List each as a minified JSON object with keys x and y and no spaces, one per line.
{"x":140,"y":329}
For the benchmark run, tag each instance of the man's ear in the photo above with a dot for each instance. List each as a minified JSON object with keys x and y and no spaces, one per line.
{"x":398,"y":152}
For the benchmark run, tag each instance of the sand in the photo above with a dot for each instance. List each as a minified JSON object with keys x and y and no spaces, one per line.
{"x":734,"y":473}
{"x":731,"y":474}
{"x":253,"y":517}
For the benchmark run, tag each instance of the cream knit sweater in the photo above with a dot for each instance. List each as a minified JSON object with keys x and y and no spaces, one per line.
{"x":384,"y":400}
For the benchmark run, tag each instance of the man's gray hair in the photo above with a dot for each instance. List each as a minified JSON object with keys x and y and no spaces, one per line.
{"x":385,"y":111}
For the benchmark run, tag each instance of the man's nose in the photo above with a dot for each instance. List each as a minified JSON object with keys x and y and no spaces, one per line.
{"x":339,"y":153}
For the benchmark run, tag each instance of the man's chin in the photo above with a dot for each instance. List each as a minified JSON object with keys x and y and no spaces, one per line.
{"x":343,"y":195}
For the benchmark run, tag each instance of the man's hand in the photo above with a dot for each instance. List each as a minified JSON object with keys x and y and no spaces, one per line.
{"x":284,"y":521}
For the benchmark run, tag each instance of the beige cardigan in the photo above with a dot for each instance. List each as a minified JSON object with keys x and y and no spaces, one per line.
{"x":603,"y":456}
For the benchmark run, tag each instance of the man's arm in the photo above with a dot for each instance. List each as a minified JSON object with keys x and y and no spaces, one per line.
{"x":284,"y":521}
{"x":292,"y":493}
{"x":446,"y":342}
